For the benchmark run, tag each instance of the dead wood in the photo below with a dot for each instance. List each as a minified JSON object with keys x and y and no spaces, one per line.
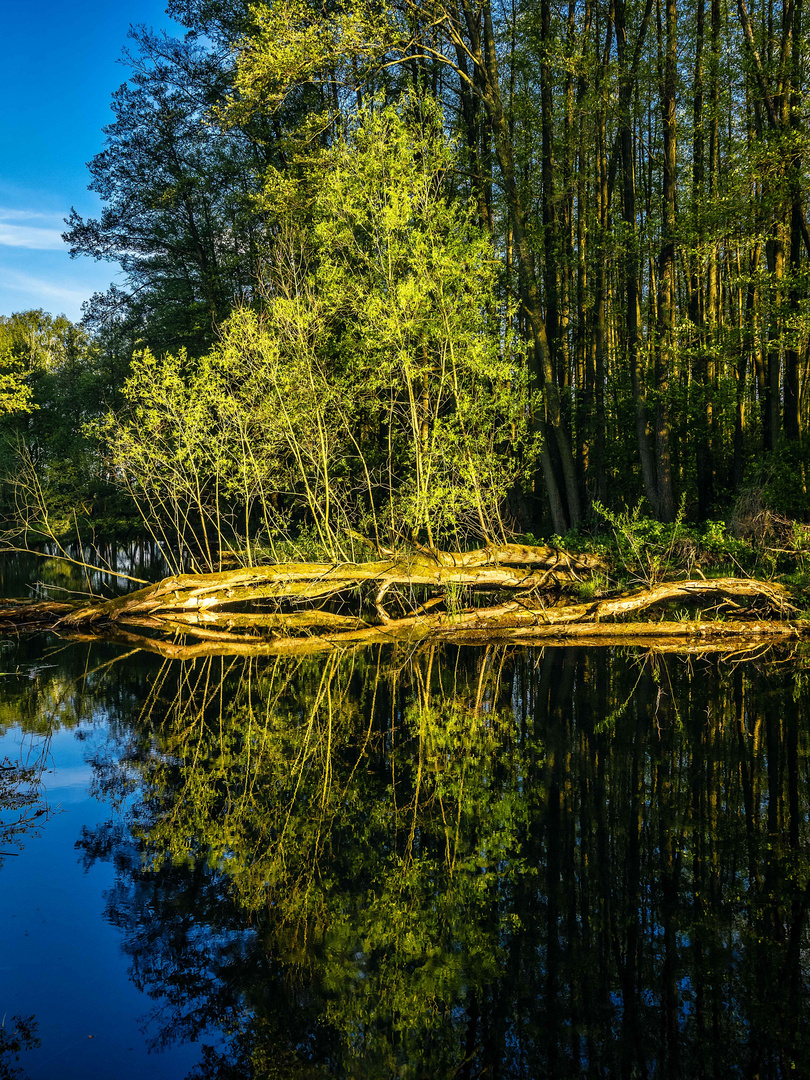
{"x":509,"y":567}
{"x":15,"y":614}
{"x":229,"y":610}
{"x":696,"y":638}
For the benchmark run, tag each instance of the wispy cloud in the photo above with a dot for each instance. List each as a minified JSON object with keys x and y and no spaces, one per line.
{"x":25,"y":283}
{"x":42,"y":236}
{"x":9,"y":213}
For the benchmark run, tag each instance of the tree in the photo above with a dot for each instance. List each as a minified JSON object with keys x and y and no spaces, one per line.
{"x":58,"y":380}
{"x":15,"y":393}
{"x":296,"y":44}
{"x":177,"y":214}
{"x":376,"y":389}
{"x":659,"y":283}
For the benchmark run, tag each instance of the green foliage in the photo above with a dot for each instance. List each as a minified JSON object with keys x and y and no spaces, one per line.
{"x":373,"y":390}
{"x":649,"y":551}
{"x":174,"y":451}
{"x":50,"y":466}
{"x":598,"y":584}
{"x":645,"y":547}
{"x":15,"y":393}
{"x":243,"y":149}
{"x":176,"y":192}
{"x":782,"y":481}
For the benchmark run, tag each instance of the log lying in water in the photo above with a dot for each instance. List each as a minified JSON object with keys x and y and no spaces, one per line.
{"x":507,"y":567}
{"x":699,"y":638}
{"x":513,"y":567}
{"x":32,"y":615}
{"x":283,"y":607}
{"x":186,"y":612}
{"x":221,"y":609}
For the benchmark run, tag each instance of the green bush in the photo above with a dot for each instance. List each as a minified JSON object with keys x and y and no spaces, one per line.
{"x":647,"y":550}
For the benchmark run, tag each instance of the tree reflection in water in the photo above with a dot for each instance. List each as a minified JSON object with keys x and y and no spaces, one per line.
{"x":24,"y":809}
{"x":500,"y":863}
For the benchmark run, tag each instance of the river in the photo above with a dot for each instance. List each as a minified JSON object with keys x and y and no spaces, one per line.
{"x":441,"y":862}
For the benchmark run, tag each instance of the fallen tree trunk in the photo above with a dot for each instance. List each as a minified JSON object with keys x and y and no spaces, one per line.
{"x":194,"y":610}
{"x":274,"y":606}
{"x":507,"y":567}
{"x":40,"y":614}
{"x":737,"y":638}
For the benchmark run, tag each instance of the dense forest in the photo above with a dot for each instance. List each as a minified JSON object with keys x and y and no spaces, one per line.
{"x":441,"y":271}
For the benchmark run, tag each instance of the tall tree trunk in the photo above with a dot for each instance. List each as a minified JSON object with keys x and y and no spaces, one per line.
{"x":547,"y":175}
{"x":630,"y":263}
{"x":714,"y":298}
{"x":543,"y":362}
{"x":600,"y":291}
{"x":698,"y":303}
{"x":665,"y":349}
{"x":792,"y":389}
{"x":775,"y":255}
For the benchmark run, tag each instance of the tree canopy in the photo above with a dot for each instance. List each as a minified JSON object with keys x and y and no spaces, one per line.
{"x":638,"y":175}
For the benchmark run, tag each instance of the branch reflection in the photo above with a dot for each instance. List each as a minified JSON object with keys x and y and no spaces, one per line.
{"x":469,"y":863}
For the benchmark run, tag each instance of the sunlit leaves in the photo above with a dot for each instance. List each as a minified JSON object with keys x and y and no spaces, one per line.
{"x":374,"y":387}
{"x":15,"y":393}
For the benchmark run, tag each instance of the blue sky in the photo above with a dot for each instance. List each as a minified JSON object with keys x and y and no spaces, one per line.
{"x":58,"y":69}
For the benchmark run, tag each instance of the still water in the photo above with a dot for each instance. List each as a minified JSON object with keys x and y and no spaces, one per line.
{"x":446,"y":862}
